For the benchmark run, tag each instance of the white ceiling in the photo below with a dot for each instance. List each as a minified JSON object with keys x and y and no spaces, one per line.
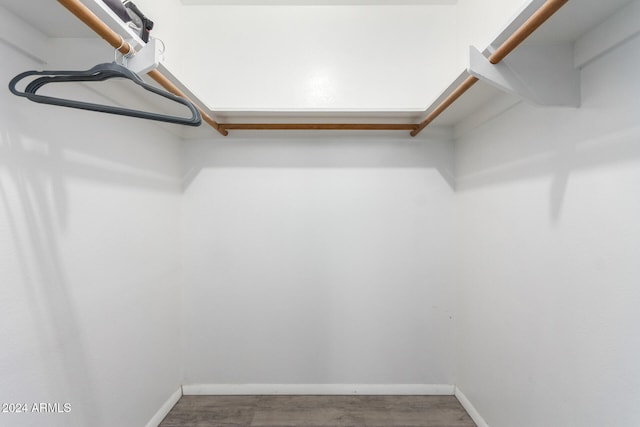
{"x":570,"y":22}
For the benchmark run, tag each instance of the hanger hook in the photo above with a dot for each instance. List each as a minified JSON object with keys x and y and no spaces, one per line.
{"x":125,"y":56}
{"x":164,"y":46}
{"x":115,"y":53}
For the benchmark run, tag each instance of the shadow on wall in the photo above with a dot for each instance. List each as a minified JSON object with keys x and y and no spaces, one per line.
{"x":43,"y":150}
{"x":322,"y":149}
{"x":35,"y":205}
{"x":35,"y":172}
{"x":529,"y":142}
{"x":557,"y":163}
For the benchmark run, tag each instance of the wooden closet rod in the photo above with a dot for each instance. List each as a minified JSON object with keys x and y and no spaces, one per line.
{"x":316,"y":126}
{"x":114,"y":39}
{"x":532,"y":24}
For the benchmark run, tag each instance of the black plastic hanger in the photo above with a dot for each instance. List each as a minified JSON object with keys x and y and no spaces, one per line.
{"x":100,"y":72}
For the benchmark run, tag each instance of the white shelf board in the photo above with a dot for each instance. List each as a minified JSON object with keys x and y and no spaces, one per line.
{"x":574,"y":19}
{"x":473,"y":100}
{"x":571,"y":22}
{"x":567,"y":25}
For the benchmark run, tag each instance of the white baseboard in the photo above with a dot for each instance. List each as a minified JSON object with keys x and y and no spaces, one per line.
{"x":316,"y":389}
{"x":165,"y":408}
{"x":471,"y":410}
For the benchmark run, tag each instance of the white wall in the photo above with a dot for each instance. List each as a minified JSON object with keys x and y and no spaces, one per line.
{"x":548,"y":245}
{"x":89,"y":269}
{"x":318,"y":259}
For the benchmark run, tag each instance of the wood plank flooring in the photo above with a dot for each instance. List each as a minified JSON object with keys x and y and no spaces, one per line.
{"x":317,"y":411}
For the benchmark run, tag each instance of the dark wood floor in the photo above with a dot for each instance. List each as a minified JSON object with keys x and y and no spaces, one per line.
{"x":303,"y":411}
